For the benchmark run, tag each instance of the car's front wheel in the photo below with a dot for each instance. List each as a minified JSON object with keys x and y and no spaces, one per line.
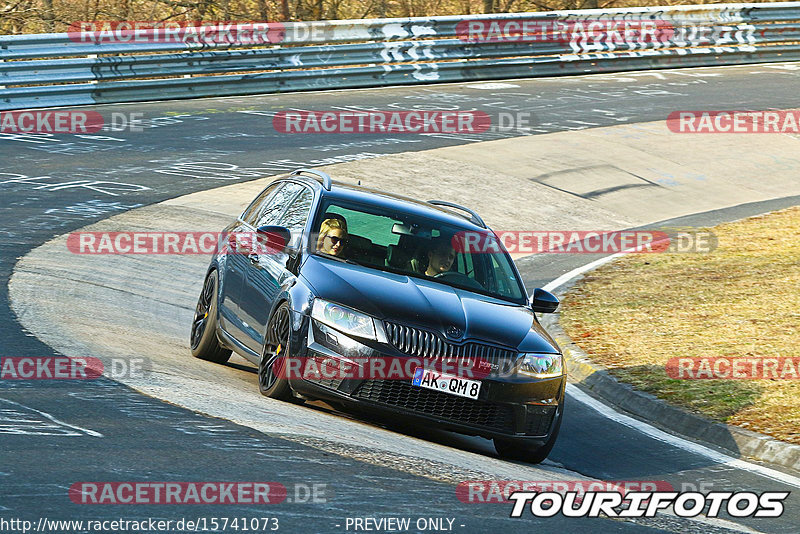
{"x":513,"y":449}
{"x":204,"y":342}
{"x":272,"y":380}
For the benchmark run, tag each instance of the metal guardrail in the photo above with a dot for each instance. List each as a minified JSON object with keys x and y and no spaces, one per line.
{"x":68,"y":69}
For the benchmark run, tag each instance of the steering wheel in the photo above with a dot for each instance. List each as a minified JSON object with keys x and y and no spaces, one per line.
{"x":458,"y":278}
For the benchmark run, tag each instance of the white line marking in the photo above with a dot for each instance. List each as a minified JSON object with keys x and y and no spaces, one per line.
{"x":680,"y":443}
{"x":650,"y":430}
{"x":566,"y":277}
{"x":56,"y":421}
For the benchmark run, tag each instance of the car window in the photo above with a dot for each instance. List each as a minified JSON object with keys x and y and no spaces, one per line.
{"x":376,"y":228}
{"x":502,"y":277}
{"x":465,"y":264}
{"x":424,"y":248}
{"x":296,"y":214}
{"x":250,"y":214}
{"x":275,"y":206}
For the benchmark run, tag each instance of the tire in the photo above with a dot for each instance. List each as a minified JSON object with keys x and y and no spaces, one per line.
{"x":276,"y":343}
{"x":203,"y":341}
{"x":520,"y":450}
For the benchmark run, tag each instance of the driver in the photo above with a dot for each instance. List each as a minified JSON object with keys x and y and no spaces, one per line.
{"x":332,"y":237}
{"x":440,"y":256}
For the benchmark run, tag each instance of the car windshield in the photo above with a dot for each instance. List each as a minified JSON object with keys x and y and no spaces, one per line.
{"x":424,"y":248}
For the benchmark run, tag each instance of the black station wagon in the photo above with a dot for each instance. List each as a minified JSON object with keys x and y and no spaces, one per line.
{"x":343,"y":276}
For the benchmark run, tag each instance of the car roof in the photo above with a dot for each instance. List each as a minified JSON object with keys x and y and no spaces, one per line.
{"x":391,"y":202}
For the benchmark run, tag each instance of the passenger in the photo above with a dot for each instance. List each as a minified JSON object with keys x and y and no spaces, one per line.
{"x":338,"y":217}
{"x":332,"y":237}
{"x":440,"y":256}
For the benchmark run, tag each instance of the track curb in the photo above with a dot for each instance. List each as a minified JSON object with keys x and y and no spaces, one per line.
{"x":597,"y":381}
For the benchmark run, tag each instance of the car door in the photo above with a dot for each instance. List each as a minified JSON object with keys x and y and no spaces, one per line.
{"x":234,"y":263}
{"x":267,"y":271}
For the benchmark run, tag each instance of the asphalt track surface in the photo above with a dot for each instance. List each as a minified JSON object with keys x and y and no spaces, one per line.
{"x":55,"y":184}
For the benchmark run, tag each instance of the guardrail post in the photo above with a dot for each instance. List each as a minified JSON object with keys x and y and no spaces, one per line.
{"x":92,"y":56}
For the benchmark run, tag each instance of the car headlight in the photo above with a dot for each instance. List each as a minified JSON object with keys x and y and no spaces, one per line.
{"x":540,"y":365}
{"x":343,"y":319}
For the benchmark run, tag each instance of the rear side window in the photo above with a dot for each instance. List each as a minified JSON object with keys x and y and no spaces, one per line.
{"x":251,"y":213}
{"x":297,"y":213}
{"x":276,"y":205}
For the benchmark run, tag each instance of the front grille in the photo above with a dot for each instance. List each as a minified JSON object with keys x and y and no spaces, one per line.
{"x":425,"y":344}
{"x":402,"y":394}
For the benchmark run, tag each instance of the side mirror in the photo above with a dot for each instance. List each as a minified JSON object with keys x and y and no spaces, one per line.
{"x":543,"y":301}
{"x":273,"y":239}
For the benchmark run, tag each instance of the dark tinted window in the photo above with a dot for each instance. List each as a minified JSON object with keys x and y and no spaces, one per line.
{"x":250,"y":214}
{"x":277,"y":203}
{"x":297,"y":213}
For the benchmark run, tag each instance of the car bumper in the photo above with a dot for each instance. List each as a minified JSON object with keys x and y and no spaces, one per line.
{"x":507,"y":407}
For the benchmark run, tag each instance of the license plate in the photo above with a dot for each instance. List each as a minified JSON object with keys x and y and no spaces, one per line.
{"x":431,"y":379}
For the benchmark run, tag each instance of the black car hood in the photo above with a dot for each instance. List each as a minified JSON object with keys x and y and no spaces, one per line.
{"x":431,"y":305}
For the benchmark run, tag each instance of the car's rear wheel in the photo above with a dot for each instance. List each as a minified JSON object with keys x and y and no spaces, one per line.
{"x":272,"y":381}
{"x":519,"y":449}
{"x":204,"y":342}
